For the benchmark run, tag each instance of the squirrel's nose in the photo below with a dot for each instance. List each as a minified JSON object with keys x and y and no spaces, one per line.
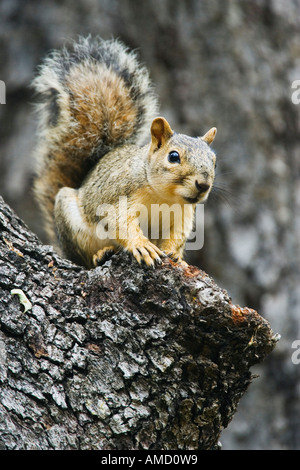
{"x":202,"y":188}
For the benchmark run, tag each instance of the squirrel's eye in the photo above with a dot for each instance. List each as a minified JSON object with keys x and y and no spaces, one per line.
{"x":174,"y":157}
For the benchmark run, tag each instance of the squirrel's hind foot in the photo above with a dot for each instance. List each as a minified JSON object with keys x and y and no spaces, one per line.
{"x":103,"y":255}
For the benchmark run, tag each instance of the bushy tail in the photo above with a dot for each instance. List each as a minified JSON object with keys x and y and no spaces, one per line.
{"x":92,"y":99}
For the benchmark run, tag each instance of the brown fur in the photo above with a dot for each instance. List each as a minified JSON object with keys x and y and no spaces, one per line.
{"x":93,"y":95}
{"x":96,"y":106}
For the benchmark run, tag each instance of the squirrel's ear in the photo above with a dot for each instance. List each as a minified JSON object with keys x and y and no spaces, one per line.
{"x":210,"y":135}
{"x":160,"y":131}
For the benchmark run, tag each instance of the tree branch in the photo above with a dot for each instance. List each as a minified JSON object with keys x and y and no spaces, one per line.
{"x":118,"y":357}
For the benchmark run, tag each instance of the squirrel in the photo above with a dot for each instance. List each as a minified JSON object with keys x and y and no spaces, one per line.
{"x":96,"y":107}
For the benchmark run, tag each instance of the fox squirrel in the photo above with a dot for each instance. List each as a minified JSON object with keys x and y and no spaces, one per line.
{"x":96,"y":107}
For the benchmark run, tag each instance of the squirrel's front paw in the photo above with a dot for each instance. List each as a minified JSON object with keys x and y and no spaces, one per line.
{"x":146,"y":252}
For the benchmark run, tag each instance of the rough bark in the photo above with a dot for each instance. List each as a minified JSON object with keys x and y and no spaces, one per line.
{"x":118,"y":357}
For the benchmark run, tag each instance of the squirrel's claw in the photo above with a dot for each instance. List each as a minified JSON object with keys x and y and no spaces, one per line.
{"x":148,"y":253}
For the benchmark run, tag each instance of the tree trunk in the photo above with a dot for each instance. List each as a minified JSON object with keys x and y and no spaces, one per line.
{"x":118,"y":357}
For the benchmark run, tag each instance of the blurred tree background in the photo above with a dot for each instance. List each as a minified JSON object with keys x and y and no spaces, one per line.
{"x":229,"y":64}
